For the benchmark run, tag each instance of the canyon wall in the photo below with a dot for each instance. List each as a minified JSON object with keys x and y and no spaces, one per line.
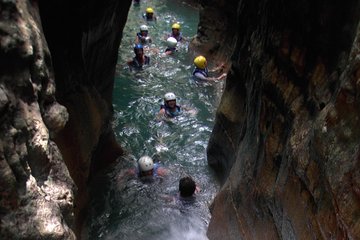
{"x":56,"y":79}
{"x":286,"y":140}
{"x":285,"y":143}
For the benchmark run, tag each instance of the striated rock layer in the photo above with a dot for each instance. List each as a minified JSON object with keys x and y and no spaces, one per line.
{"x":53,"y":138}
{"x":286,"y":138}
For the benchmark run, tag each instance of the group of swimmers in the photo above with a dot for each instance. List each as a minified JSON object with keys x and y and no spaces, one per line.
{"x":169,"y":109}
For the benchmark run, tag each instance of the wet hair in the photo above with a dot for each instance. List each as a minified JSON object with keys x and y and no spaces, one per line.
{"x":187,"y":187}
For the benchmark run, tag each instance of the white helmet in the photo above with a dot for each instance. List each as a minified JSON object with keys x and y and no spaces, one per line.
{"x":169,"y":96}
{"x":146,"y":163}
{"x":144,"y":28}
{"x":171,"y":42}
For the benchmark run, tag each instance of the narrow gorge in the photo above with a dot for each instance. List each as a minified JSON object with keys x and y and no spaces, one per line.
{"x":285,"y":145}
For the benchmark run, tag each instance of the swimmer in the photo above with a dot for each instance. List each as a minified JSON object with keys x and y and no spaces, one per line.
{"x":201,"y":71}
{"x":176,"y":33}
{"x":149,"y":14}
{"x":140,"y":58}
{"x":170,"y":109}
{"x":147,"y":167}
{"x":171,"y":46}
{"x":143,"y":37}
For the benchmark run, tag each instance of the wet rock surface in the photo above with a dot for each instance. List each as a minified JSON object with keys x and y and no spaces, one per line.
{"x":286,"y":139}
{"x":55,"y":111}
{"x":37,"y":192}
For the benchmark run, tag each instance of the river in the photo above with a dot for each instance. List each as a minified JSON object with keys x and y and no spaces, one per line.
{"x":126,"y":208}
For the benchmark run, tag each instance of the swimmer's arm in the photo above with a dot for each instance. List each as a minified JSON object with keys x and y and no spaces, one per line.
{"x":168,"y":198}
{"x":161,"y":112}
{"x":130,"y":65}
{"x":137,"y":40}
{"x":219,"y":68}
{"x":129,"y":62}
{"x":190,"y":110}
{"x":162,"y":171}
{"x":221,"y":77}
{"x":200,"y":76}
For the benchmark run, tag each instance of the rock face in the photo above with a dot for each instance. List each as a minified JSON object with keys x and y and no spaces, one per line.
{"x":84,"y":39}
{"x":286,"y":138}
{"x":37,"y":192}
{"x":54,"y":138}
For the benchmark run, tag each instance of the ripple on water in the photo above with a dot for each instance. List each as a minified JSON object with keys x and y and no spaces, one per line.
{"x":123,"y":207}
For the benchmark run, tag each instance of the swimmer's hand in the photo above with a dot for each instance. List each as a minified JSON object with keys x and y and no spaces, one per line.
{"x":222,"y":76}
{"x":191,"y":112}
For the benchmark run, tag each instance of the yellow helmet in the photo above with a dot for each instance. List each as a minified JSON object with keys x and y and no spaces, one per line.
{"x":200,"y":62}
{"x":149,"y":10}
{"x":175,"y":26}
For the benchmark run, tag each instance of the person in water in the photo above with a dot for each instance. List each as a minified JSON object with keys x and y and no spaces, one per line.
{"x":147,"y":168}
{"x":170,"y":108}
{"x":143,"y":37}
{"x":171,"y":46}
{"x":201,"y":71}
{"x":176,"y":33}
{"x":140,"y":58}
{"x":187,"y":191}
{"x":149,"y":14}
{"x":187,"y":187}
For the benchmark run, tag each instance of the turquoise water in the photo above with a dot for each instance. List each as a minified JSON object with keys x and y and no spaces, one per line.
{"x":123,"y":207}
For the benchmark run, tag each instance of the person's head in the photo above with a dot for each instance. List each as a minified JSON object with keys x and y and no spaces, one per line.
{"x":200,"y":62}
{"x":139,"y":50}
{"x":170,"y":99}
{"x":146,"y":166}
{"x":171,"y":42}
{"x":149,"y":12}
{"x":144,"y":30}
{"x":187,"y":186}
{"x":175,"y":28}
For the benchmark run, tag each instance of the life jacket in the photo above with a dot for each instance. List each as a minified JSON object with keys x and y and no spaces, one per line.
{"x":170,"y":113}
{"x":147,"y":18}
{"x":136,"y":64}
{"x":178,"y":37}
{"x":204,"y":72}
